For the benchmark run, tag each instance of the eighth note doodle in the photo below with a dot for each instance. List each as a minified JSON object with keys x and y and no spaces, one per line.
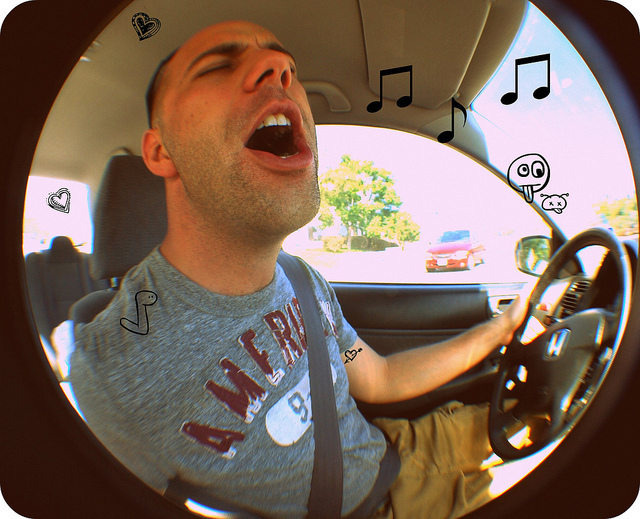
{"x":144,"y":298}
{"x":540,"y":92}
{"x":447,"y":135}
{"x":402,"y":102}
{"x":351,"y":354}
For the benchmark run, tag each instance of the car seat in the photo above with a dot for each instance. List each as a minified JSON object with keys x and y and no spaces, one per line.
{"x":57,"y":278}
{"x":130,"y":220}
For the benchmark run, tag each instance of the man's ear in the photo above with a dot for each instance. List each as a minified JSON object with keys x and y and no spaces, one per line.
{"x":155,"y":154}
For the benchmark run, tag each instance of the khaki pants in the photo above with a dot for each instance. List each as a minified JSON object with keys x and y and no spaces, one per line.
{"x":441,"y":455}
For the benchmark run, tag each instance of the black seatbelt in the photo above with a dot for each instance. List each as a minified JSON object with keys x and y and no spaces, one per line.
{"x":325,"y":500}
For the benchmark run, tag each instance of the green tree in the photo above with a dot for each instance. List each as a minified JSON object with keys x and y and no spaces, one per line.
{"x":621,"y":214}
{"x":399,"y":227}
{"x":356,"y":193}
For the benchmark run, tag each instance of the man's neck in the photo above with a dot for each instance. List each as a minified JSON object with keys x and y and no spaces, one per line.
{"x":220,"y":263}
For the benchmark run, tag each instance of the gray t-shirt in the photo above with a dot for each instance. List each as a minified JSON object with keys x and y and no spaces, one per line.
{"x":177,"y":380}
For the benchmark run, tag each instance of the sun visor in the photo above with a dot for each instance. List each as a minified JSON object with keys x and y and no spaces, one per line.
{"x":447,"y":45}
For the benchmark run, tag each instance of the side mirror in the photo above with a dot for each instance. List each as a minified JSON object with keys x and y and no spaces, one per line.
{"x":532,"y":254}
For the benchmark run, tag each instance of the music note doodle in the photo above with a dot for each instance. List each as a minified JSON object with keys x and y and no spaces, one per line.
{"x":538,"y":93}
{"x":144,"y":298}
{"x":447,"y":135}
{"x":402,"y":102}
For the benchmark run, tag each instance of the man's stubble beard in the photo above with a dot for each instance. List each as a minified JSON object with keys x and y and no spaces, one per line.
{"x":236,"y":204}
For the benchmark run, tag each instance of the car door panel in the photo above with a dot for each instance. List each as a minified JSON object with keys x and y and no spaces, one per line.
{"x":392,"y":318}
{"x":412,"y":307}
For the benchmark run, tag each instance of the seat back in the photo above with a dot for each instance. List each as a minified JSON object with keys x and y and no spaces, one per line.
{"x":85,"y":310}
{"x":130,"y":220}
{"x":57,"y":278}
{"x":130,"y":217}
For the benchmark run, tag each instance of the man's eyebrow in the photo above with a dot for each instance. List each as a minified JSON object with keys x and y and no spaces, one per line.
{"x":274,"y":45}
{"x":231,"y":48}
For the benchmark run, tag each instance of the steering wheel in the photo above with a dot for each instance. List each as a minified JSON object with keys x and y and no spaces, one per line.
{"x":547,"y":383}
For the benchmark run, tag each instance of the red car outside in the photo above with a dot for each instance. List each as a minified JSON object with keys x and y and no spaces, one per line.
{"x":455,"y":250}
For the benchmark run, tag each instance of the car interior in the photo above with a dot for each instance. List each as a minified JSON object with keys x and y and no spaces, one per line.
{"x":92,"y":135}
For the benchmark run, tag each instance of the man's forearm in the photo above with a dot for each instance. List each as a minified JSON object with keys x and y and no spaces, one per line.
{"x":417,"y":371}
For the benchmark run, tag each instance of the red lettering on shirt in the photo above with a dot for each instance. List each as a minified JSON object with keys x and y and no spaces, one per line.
{"x":219,"y":439}
{"x":246,"y":401}
{"x":298,"y":323}
{"x":260,"y":358}
{"x":281,"y":331}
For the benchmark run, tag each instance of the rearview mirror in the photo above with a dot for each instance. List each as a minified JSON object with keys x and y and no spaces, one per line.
{"x":532,"y":254}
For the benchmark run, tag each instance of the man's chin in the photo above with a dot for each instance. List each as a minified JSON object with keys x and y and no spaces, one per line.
{"x":276,"y":227}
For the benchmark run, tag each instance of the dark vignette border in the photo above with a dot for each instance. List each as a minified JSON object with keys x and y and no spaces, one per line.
{"x":51,"y":467}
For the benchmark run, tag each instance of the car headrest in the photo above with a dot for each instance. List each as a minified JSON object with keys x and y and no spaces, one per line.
{"x":62,"y":250}
{"x":130,"y":217}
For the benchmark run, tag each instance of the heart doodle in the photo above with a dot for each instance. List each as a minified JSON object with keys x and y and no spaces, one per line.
{"x":144,"y":25}
{"x":55,"y":200}
{"x":351,"y":354}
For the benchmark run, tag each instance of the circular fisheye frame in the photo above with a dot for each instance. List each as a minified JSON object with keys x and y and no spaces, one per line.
{"x":577,"y":373}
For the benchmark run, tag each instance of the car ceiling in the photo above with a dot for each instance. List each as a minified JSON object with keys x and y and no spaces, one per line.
{"x":340,"y":46}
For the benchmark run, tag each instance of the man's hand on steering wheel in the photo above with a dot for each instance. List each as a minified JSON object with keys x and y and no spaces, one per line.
{"x":513,"y":317}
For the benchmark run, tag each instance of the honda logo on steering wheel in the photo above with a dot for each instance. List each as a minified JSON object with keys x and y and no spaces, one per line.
{"x":556,"y":344}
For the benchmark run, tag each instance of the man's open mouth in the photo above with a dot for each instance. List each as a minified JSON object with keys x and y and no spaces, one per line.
{"x":274,"y":135}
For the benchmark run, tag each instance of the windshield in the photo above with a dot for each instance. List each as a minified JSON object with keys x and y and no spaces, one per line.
{"x":451,"y":236}
{"x":570,"y":124}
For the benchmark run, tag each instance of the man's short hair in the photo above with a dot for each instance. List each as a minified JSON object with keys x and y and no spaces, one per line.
{"x":154,"y":85}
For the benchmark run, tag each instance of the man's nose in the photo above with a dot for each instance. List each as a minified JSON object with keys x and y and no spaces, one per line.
{"x":270,"y":68}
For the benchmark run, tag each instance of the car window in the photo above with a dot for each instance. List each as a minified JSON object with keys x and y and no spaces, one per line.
{"x":389,"y":197}
{"x":559,"y":125}
{"x":453,"y":236}
{"x":56,"y":207}
{"x":573,"y":128}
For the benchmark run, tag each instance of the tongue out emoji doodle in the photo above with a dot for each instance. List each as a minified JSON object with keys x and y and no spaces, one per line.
{"x":529,"y":174}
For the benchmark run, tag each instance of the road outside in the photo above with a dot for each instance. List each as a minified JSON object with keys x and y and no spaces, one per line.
{"x":394,"y":265}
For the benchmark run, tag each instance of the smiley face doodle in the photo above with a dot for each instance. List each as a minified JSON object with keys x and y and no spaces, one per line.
{"x":555,"y":203}
{"x":529,"y":174}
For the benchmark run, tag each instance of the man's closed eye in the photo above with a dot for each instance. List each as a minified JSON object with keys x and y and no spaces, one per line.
{"x":212,"y":69}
